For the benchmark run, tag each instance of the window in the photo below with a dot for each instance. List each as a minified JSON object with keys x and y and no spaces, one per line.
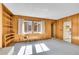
{"x":35,"y":26}
{"x":29,"y":27}
{"x":38,"y":27}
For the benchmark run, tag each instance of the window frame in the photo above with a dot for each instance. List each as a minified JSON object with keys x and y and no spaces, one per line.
{"x":32,"y":27}
{"x":23,"y":30}
{"x":38,"y":22}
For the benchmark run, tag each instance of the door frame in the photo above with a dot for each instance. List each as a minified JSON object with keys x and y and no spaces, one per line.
{"x":70,"y":30}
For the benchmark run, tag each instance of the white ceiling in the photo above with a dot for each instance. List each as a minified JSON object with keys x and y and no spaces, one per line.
{"x":44,"y":10}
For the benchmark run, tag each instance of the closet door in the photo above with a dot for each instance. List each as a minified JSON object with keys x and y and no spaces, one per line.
{"x":59,"y":29}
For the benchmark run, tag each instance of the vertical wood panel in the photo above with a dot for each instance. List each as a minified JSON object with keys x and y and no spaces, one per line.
{"x":37,"y":36}
{"x":78,"y":26}
{"x":75,"y":29}
{"x":59,"y":29}
{"x":0,"y":25}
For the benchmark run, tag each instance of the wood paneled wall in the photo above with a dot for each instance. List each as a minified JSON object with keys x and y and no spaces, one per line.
{"x":74,"y":30}
{"x":32,"y":36}
{"x":0,"y":25}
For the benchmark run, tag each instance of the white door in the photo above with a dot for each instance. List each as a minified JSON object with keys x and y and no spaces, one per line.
{"x":67,"y":31}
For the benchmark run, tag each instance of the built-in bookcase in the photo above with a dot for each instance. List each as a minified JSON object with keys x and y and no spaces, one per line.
{"x":8,"y":33}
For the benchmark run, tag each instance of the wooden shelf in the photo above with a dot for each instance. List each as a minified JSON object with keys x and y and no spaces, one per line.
{"x":7,"y":15}
{"x":11,"y":34}
{"x":6,"y":20}
{"x":9,"y":38}
{"x":9,"y":42}
{"x":7,"y":28}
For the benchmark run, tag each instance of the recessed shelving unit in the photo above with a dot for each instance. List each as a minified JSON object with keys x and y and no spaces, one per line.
{"x":8,"y":33}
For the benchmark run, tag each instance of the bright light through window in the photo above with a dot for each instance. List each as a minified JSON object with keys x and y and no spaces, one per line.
{"x":32,"y":27}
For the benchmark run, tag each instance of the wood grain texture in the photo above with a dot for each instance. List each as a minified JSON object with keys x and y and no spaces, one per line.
{"x":0,"y":25}
{"x":7,"y":27}
{"x":74,"y":30}
{"x":32,"y":36}
{"x":59,"y":29}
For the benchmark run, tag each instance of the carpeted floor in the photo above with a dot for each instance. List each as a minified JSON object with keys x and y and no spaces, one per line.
{"x":45,"y":47}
